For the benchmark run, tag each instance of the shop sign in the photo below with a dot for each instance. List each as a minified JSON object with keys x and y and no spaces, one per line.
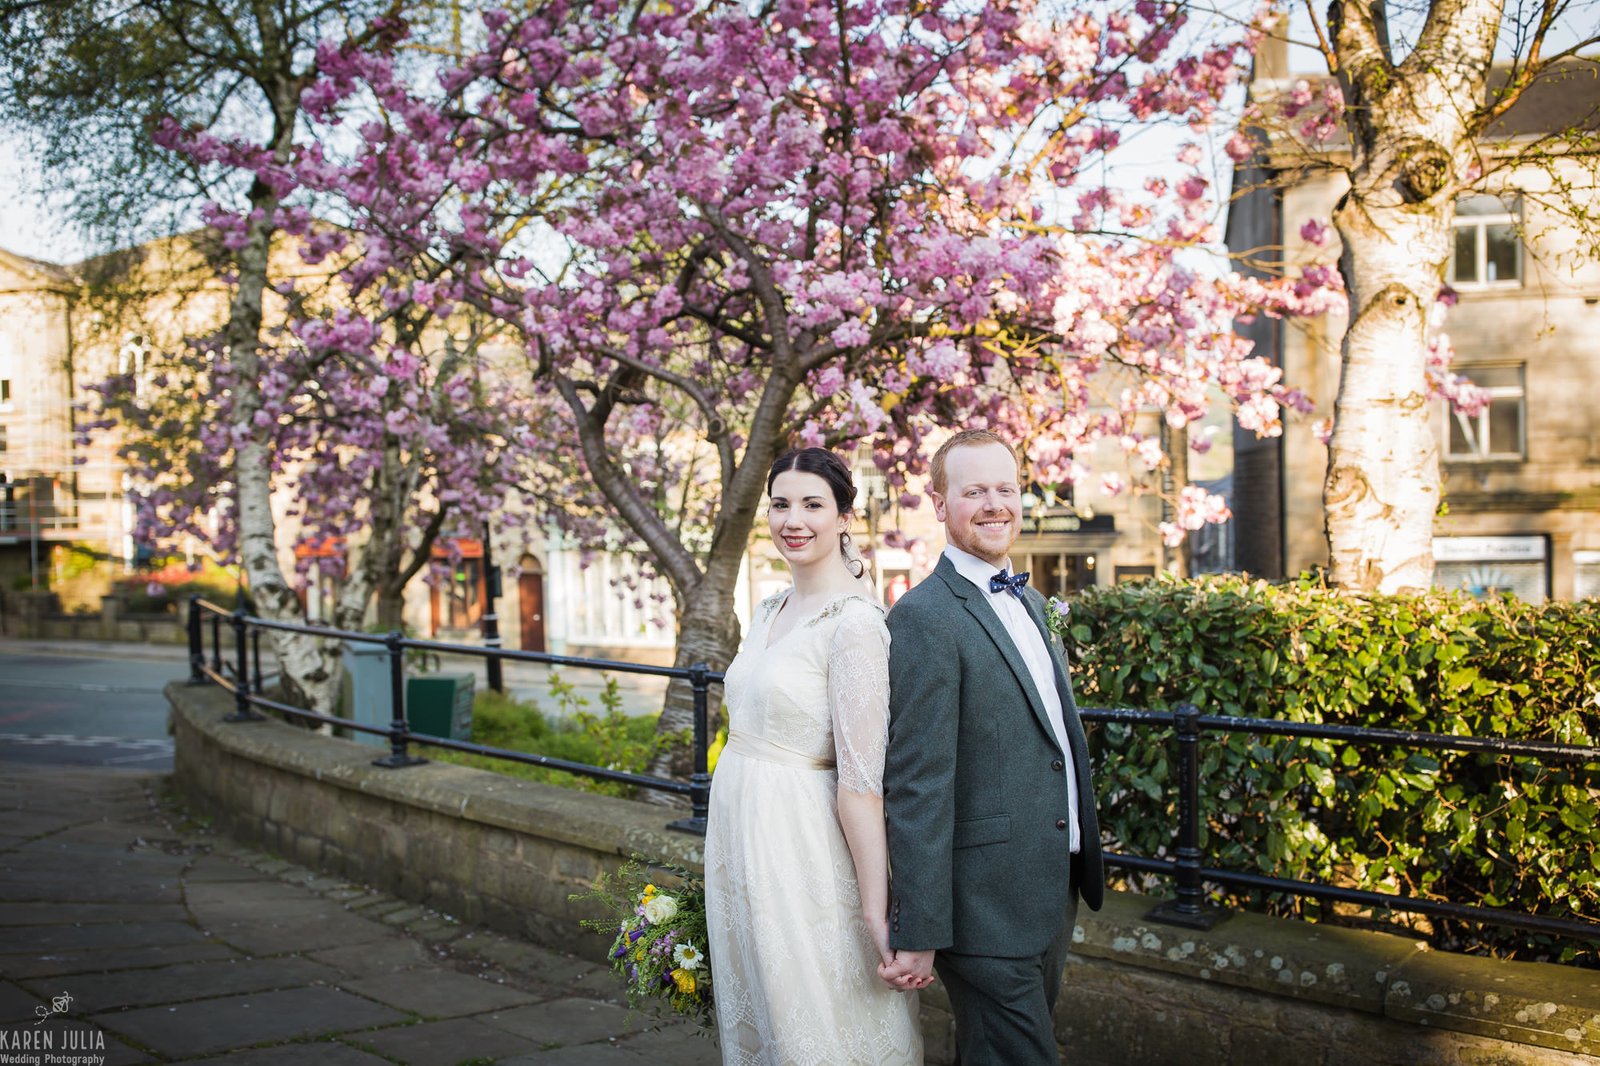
{"x":1488,"y":549}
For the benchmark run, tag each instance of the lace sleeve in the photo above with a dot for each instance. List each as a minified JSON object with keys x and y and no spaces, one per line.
{"x":858,"y":698}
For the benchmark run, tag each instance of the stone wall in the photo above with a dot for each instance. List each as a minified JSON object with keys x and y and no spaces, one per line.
{"x":1254,"y":990}
{"x":38,"y":616}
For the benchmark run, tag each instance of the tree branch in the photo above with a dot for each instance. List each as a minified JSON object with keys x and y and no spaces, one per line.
{"x":679,"y":565}
{"x":761,"y":278}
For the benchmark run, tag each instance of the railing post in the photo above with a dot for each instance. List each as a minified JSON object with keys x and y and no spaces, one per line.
{"x":1188,"y":907}
{"x":197,"y":644}
{"x":399,"y":731}
{"x":700,"y":780}
{"x":255,"y":654}
{"x":242,"y":711}
{"x":491,"y":618}
{"x":216,"y":643}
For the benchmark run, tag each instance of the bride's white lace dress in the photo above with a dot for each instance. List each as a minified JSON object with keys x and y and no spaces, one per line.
{"x":796,"y":972}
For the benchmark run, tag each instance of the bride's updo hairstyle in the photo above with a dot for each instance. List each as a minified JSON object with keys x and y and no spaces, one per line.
{"x":836,"y":472}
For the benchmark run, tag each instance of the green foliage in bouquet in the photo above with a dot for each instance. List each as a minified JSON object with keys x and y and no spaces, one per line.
{"x":659,"y":945}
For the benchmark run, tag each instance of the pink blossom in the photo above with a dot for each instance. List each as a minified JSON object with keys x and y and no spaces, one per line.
{"x":1314,"y":231}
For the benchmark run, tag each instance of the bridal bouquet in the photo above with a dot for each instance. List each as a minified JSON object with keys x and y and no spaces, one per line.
{"x":659,"y":945}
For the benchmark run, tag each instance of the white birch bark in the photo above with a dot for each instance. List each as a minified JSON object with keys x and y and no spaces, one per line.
{"x":1411,"y":130}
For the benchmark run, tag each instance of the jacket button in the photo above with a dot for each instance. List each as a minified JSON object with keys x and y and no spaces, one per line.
{"x":1058,"y":765}
{"x":1061,"y":823}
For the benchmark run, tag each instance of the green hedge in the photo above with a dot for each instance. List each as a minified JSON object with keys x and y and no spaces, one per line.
{"x":1466,"y":828}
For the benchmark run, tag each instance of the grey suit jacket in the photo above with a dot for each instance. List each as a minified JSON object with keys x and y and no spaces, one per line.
{"x":976,"y":800}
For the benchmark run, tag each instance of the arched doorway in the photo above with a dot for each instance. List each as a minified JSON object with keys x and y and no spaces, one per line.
{"x":530,"y":602}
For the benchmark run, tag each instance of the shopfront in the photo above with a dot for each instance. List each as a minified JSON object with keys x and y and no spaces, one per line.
{"x":1064,"y":553}
{"x":1488,"y":566}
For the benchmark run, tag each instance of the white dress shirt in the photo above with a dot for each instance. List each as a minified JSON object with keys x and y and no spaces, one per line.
{"x":1029,"y":642}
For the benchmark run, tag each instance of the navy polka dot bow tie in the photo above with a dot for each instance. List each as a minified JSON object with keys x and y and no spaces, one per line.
{"x":1012,"y":583}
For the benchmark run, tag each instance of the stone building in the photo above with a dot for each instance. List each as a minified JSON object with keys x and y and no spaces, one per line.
{"x":51,"y":492}
{"x":1522,"y":480}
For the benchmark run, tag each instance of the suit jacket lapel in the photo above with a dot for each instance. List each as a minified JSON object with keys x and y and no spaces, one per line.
{"x":978,"y":606}
{"x":1069,"y":709}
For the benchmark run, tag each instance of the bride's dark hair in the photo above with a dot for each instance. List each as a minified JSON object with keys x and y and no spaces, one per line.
{"x":836,"y":472}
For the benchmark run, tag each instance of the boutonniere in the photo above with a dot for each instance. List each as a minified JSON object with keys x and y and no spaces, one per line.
{"x":1056,"y":612}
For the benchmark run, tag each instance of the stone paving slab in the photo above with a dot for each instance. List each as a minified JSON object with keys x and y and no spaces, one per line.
{"x":209,"y":869}
{"x":62,"y":887}
{"x":308,"y":1054}
{"x":375,"y":957}
{"x":17,"y":1004}
{"x":304,"y":924}
{"x":586,"y":1055}
{"x":95,"y":993}
{"x":674,"y":1045}
{"x":445,"y":1043}
{"x":214,"y":1025}
{"x":51,"y":913}
{"x":547,"y":966}
{"x":104,"y":961}
{"x":435,"y":993}
{"x":565,"y":1022}
{"x":113,"y":935}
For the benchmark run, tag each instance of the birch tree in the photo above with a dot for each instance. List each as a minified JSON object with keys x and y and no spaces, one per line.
{"x":96,"y":84}
{"x":1419,"y":122}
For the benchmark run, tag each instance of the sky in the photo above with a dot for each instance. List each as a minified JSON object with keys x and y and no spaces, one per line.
{"x":25,"y":223}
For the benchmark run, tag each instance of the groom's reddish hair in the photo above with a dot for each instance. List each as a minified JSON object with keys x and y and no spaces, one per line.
{"x":967,"y":438}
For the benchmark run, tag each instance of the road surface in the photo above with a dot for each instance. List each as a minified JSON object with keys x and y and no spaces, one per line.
{"x":103,"y":707}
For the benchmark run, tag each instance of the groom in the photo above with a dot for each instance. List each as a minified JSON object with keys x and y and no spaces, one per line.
{"x":992,"y":831}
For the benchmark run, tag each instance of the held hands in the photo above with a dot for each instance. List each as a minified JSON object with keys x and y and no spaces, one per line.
{"x":903,"y":971}
{"x":907,"y":971}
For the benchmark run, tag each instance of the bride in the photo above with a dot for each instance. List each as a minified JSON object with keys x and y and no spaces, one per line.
{"x":797,"y":878}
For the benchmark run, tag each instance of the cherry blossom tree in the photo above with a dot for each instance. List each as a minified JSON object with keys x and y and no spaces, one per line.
{"x":389,"y":427}
{"x":721,"y":229}
{"x":361,"y":408}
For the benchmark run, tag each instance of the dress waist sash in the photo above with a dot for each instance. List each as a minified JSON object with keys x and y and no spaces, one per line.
{"x":754,"y":747}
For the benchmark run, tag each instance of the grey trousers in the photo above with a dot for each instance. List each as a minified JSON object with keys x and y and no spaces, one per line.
{"x":1002,"y":1006}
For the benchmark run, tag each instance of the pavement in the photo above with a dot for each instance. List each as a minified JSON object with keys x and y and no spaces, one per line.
{"x":530,"y":682}
{"x":130,"y":932}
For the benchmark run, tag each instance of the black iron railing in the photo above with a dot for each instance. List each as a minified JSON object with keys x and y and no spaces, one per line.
{"x":1188,"y":907}
{"x":247,"y":685}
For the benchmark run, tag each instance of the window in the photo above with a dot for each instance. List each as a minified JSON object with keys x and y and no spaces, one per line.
{"x":5,"y":391}
{"x":1585,"y":574}
{"x":464,"y":595}
{"x":132,"y":359}
{"x":1499,"y":431}
{"x":1487,"y":250}
{"x":1058,"y":573}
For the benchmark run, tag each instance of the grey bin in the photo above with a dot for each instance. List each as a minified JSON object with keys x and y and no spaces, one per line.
{"x":366,"y":698}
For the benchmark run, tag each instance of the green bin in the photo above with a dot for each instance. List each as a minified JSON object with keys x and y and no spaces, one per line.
{"x":440,"y":705}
